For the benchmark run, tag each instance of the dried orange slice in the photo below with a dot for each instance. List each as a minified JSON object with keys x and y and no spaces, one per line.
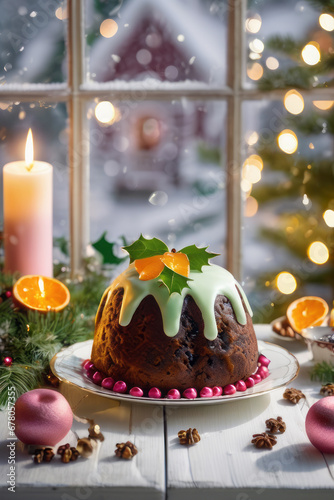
{"x":177,"y":262}
{"x":307,"y":311}
{"x":40,"y":293}
{"x":149,"y":268}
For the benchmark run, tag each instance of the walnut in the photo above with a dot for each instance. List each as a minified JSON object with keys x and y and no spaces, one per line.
{"x":38,"y":455}
{"x":48,"y":455}
{"x":293,"y":395}
{"x":190,"y":436}
{"x":264,"y":440}
{"x":126,"y":450}
{"x":276,"y":425}
{"x":85,"y":446}
{"x":327,"y":390}
{"x":66,"y":456}
{"x":95,"y":432}
{"x":75,"y":454}
{"x":284,"y":328}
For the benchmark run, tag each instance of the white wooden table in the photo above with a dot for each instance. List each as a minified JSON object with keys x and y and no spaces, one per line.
{"x":224,"y":465}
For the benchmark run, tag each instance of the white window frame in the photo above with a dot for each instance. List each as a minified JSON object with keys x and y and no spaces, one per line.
{"x":76,"y":94}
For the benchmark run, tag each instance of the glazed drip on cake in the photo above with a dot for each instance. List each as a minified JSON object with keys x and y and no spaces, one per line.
{"x":212,"y":281}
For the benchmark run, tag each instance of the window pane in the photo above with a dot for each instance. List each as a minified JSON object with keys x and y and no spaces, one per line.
{"x":156,"y":41}
{"x":288,"y":187}
{"x":288,"y":44}
{"x":155,"y":169}
{"x":48,"y":124}
{"x":32,"y":41}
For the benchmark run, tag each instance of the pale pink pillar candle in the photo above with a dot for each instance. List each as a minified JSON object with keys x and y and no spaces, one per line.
{"x":28,"y":218}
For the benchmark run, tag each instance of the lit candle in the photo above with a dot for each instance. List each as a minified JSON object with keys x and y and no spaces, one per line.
{"x":27,"y":194}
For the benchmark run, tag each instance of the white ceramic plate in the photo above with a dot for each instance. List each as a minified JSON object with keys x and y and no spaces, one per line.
{"x":66,"y":365}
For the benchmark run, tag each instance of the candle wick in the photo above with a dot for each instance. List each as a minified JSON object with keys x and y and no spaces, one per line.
{"x":29,"y":167}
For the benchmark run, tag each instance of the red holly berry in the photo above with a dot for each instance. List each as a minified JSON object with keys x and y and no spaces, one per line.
{"x":8,"y":361}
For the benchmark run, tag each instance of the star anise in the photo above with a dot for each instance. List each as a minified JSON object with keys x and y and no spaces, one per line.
{"x":327,"y":390}
{"x":264,"y":440}
{"x":190,"y":436}
{"x":126,"y":450}
{"x":293,"y":395}
{"x":276,"y":425}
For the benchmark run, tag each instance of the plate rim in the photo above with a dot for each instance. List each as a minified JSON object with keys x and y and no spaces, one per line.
{"x":127,"y":398}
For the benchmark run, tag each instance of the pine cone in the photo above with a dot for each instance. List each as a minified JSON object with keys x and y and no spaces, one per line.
{"x":126,"y":450}
{"x":276,"y":425}
{"x":190,"y":436}
{"x":264,"y":440}
{"x":327,"y":390}
{"x":293,"y":395}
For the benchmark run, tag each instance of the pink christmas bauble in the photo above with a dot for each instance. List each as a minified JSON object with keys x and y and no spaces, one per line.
{"x":319,"y":424}
{"x":43,"y":417}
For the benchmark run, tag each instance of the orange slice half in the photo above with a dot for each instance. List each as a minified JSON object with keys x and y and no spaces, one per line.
{"x":41,"y":293}
{"x":177,"y":262}
{"x":306,"y":312}
{"x":149,"y":268}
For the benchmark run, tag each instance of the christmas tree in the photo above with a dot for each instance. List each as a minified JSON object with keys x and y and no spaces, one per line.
{"x":304,"y":175}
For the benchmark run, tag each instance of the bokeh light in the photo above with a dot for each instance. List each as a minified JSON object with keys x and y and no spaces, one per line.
{"x":246,"y":186}
{"x":329,"y":217}
{"x":294,"y":102}
{"x":254,"y":71}
{"x":286,"y":282}
{"x":105,"y":112}
{"x":272,"y":63}
{"x":311,"y":53}
{"x":318,"y":252}
{"x":61,"y":13}
{"x":253,"y":24}
{"x":108,"y":28}
{"x":252,"y":138}
{"x":287,"y":141}
{"x":326,"y":21}
{"x":255,"y":160}
{"x":256,"y":46}
{"x":323,"y":105}
{"x":251,"y":173}
{"x":251,"y":207}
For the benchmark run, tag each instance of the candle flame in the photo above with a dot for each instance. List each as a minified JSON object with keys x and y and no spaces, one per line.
{"x":41,"y":286}
{"x":29,"y":156}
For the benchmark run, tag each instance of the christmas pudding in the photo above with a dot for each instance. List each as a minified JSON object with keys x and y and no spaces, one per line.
{"x":172,"y":321}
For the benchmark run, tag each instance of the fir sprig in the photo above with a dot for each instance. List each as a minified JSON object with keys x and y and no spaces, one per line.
{"x":323,"y":372}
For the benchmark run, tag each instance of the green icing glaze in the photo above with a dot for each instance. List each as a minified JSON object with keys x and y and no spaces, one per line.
{"x":206,"y":285}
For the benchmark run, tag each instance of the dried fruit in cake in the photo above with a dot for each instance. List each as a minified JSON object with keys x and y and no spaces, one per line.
{"x":306,"y":312}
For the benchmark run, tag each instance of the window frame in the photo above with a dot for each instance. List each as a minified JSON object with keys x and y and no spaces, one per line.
{"x":76,"y":94}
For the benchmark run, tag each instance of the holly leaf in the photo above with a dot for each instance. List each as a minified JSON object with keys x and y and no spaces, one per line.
{"x":142,"y":248}
{"x":198,"y":257}
{"x":106,"y":249}
{"x":173,"y":281}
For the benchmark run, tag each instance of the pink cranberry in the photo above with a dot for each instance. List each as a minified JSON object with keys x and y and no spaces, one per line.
{"x":136,"y":391}
{"x":8,"y":294}
{"x":206,"y":392}
{"x":229,"y":389}
{"x":217,"y":391}
{"x":250,"y":382}
{"x":97,"y":378}
{"x":241,"y":386}
{"x":263,"y":361}
{"x":108,"y":383}
{"x":257,"y":378}
{"x":154,"y":393}
{"x":120,"y":386}
{"x":263,"y":372}
{"x":173,"y":394}
{"x":90,"y":372}
{"x":190,"y":393}
{"x":88,"y":364}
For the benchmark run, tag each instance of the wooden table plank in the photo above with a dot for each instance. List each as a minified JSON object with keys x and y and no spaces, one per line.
{"x":225,"y":462}
{"x":144,"y":474}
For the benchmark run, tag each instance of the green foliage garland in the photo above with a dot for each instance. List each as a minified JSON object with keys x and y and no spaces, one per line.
{"x":31,"y":339}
